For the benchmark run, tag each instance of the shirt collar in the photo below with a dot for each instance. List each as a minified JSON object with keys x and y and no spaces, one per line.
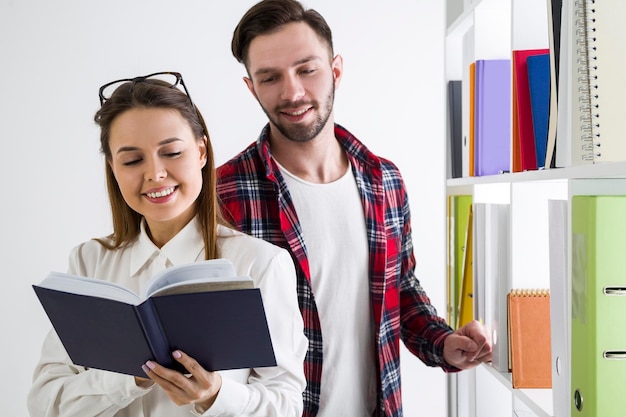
{"x":263,"y":145}
{"x":186,"y":247}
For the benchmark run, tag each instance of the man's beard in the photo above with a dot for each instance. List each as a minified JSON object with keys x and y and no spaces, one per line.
{"x":304,"y":133}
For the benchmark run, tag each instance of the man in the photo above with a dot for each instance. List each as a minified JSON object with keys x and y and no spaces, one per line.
{"x":310,"y":186}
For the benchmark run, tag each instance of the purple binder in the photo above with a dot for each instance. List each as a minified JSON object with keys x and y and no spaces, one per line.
{"x":492,"y":135}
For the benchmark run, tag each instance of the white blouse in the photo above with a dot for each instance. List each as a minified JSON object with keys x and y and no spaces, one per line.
{"x":61,"y":388}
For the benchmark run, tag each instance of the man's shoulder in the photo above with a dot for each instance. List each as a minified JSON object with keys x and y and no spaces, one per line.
{"x":246,"y":161}
{"x":362,"y":155}
{"x":389,"y":168}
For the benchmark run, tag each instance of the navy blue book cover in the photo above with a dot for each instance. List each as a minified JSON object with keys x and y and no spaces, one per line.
{"x":220,"y":329}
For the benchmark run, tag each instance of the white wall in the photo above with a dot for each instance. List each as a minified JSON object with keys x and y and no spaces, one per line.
{"x":55,"y":54}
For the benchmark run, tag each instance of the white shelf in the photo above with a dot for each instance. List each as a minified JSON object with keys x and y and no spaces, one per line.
{"x":539,"y":401}
{"x":492,"y":29}
{"x":604,"y":170}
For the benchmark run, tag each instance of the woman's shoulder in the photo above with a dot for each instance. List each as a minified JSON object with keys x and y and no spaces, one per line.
{"x":85,"y":256}
{"x":88,"y":249}
{"x":249,"y":252}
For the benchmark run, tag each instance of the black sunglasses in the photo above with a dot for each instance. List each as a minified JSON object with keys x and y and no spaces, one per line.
{"x":170,"y":78}
{"x":173,"y":79}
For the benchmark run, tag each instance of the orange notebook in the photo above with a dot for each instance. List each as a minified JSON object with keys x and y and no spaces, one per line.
{"x":529,"y":338}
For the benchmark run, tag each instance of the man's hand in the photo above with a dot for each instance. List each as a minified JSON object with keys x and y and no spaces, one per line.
{"x":468,"y":346}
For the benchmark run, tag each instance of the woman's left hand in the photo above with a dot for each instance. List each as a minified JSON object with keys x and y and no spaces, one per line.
{"x":200,"y":387}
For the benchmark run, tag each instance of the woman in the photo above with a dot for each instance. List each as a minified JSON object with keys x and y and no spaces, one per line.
{"x":161,"y":183}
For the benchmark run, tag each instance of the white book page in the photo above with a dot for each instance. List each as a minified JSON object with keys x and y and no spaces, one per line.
{"x":208,"y":275}
{"x":211,"y":270}
{"x":93,"y":287}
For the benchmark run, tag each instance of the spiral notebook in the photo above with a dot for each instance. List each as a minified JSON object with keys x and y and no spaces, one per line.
{"x":598,"y":87}
{"x":529,"y":338}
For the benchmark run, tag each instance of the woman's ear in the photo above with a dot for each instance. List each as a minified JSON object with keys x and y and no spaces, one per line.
{"x":203,"y":147}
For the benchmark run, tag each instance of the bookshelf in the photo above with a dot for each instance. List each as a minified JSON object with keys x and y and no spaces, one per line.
{"x":493,"y":29}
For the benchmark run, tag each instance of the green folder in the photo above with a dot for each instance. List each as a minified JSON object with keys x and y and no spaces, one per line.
{"x":460,"y":215}
{"x":598,"y":366}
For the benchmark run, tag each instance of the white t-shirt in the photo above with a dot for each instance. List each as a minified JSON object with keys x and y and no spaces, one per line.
{"x":61,"y":388}
{"x":335,"y":237}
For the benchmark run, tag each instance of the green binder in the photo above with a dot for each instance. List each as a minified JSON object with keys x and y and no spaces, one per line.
{"x":598,"y":366}
{"x":461,"y":215}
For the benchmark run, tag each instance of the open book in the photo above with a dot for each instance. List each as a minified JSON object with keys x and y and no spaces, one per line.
{"x":202,"y":308}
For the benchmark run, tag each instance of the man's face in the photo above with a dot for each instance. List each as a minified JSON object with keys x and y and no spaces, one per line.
{"x":294,"y":78}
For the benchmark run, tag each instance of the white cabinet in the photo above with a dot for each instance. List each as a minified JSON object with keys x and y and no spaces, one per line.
{"x":492,"y":29}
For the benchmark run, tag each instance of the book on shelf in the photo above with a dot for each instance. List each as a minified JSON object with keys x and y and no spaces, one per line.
{"x":555,"y":13}
{"x":598,"y":306}
{"x":471,"y":146}
{"x":492,"y":225}
{"x":201,"y":308}
{"x":492,"y":124}
{"x":595,"y":90}
{"x":459,"y":206}
{"x":524,"y":135}
{"x":560,"y":324}
{"x":516,"y":152}
{"x":554,"y":45}
{"x":455,"y":129}
{"x":450,"y":266}
{"x":568,"y":109}
{"x":529,"y":338}
{"x":539,"y":89}
{"x":606,"y":63}
{"x":478,"y":260}
{"x":452,"y":289}
{"x":466,"y":303}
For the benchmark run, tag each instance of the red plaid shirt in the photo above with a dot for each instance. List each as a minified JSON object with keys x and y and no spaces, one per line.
{"x":256,"y":200}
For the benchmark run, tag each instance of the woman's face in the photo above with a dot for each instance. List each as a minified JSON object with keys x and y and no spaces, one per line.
{"x":157,"y":163}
